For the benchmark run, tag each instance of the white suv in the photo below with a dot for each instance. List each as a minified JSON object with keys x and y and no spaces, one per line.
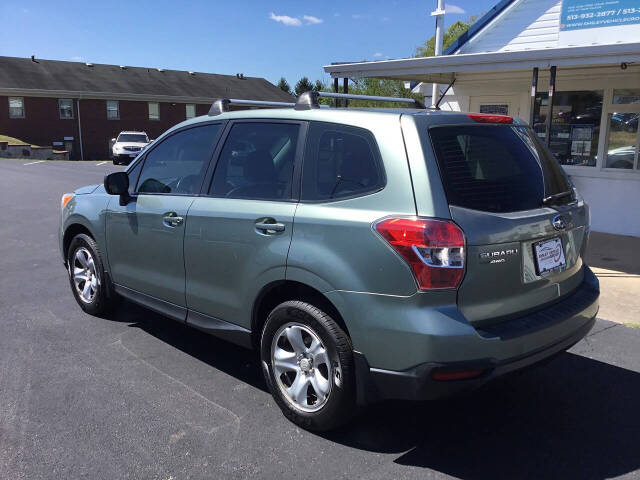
{"x":127,"y":146}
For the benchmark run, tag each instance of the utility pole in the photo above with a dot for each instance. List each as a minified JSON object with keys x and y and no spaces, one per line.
{"x":439,"y":14}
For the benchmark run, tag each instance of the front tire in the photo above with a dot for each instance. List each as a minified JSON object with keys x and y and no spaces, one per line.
{"x":307,"y":360}
{"x":87,"y":278}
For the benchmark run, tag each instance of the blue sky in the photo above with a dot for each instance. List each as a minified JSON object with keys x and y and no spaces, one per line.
{"x":257,"y":38}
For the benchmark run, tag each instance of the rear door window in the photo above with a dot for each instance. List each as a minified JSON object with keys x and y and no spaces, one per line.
{"x":340,"y":162}
{"x":257,"y":162}
{"x":495,"y":168}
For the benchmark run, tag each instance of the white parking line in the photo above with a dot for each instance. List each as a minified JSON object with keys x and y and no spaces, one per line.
{"x":100,"y":163}
{"x":33,"y":163}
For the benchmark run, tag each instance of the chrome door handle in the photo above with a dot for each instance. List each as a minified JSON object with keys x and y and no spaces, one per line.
{"x":273,"y":227}
{"x":172,"y":219}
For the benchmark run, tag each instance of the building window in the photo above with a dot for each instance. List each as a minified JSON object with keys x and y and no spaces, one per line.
{"x":191,"y":110}
{"x":575,"y":125}
{"x":494,"y":109}
{"x":154,"y":111}
{"x":65,"y":106}
{"x":622,"y":141}
{"x":113,"y":110}
{"x":623,"y":135}
{"x":626,"y":96}
{"x":16,"y":107}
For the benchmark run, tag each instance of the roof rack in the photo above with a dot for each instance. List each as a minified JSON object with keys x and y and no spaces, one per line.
{"x":309,"y":100}
{"x":306,"y":101}
{"x":222,"y":104}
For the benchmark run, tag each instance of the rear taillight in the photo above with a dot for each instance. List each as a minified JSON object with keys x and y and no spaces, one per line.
{"x":489,"y":118}
{"x":434,"y":249}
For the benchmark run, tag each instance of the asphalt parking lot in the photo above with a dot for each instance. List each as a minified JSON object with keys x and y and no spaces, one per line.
{"x":140,"y":396}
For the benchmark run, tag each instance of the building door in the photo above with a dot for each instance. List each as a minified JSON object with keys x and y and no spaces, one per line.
{"x":495,"y":104}
{"x":68,"y":146}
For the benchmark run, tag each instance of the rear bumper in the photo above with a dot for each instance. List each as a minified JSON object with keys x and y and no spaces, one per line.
{"x":417,"y":383}
{"x":508,"y":346}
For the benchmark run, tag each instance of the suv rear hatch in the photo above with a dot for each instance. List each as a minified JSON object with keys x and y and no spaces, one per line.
{"x":525,"y":229}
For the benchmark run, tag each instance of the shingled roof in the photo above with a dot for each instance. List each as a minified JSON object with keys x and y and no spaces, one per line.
{"x":112,"y":81}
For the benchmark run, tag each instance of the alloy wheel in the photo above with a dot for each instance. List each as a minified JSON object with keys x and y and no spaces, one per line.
{"x":301,"y":367}
{"x":83,"y":272}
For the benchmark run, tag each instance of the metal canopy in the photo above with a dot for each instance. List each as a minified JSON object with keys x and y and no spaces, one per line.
{"x":443,"y":69}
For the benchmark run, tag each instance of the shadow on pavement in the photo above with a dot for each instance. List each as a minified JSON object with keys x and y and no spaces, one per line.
{"x":224,"y":356}
{"x":571,"y":418}
{"x":614,"y":252}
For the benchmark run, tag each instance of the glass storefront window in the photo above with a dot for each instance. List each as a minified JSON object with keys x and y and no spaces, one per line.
{"x":622,"y":141}
{"x":575,"y":125}
{"x":630,"y":95}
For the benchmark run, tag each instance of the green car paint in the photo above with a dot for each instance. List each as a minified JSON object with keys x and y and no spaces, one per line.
{"x":214,"y":268}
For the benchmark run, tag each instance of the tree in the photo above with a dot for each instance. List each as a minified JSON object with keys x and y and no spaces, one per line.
{"x":319,"y":86}
{"x":428,"y":49}
{"x":284,"y":85}
{"x":303,"y":85}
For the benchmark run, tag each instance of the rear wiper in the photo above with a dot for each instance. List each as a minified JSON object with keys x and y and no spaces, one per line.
{"x":552,"y":198}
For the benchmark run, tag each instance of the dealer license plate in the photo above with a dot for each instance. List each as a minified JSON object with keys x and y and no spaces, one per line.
{"x":549,"y":255}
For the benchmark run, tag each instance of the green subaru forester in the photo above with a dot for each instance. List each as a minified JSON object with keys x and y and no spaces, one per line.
{"x":366,"y":254}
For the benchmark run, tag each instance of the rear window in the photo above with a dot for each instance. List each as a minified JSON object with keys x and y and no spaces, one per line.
{"x":496,"y":168}
{"x":340,"y":161}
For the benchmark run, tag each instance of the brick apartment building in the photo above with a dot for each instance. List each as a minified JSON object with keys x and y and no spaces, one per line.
{"x":80,"y":106}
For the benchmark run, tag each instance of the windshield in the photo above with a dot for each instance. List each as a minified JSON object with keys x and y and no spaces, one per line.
{"x":496,"y":168}
{"x":133,"y":138}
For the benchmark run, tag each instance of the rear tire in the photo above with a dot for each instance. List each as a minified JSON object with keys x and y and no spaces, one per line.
{"x":87,"y":278}
{"x":307,"y":361}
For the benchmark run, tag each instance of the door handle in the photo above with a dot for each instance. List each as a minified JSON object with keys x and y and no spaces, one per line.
{"x":270,"y":227}
{"x":171,"y":219}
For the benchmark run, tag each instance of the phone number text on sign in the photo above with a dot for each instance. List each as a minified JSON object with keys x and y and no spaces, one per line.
{"x":583,"y":14}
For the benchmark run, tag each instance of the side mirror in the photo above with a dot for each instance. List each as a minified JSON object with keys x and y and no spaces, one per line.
{"x":113,"y":140}
{"x":117,"y":183}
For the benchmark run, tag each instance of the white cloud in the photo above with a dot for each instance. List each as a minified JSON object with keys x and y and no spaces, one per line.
{"x":455,"y":9}
{"x":336,"y":14}
{"x":77,"y":59}
{"x":286,"y":20}
{"x":357,"y":16}
{"x":384,"y":19}
{"x":377,"y":54}
{"x":311,"y":20}
{"x":295,"y":21}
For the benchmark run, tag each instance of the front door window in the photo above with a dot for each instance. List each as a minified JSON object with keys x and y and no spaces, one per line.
{"x":178,"y":164}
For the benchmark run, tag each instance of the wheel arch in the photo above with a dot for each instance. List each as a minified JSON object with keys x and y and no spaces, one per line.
{"x":70,"y":232}
{"x":281,"y":291}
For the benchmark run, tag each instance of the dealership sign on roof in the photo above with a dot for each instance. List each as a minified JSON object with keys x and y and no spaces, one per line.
{"x":588,"y":21}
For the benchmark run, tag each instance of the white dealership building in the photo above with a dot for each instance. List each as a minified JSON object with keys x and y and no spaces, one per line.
{"x":571,"y":68}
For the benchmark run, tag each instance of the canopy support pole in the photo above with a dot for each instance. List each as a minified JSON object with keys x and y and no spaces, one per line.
{"x":534,"y":92}
{"x":552,"y":87}
{"x":345,"y":90}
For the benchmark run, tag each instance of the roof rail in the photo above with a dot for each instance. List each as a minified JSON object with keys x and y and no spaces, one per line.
{"x":222,"y":104}
{"x":309,"y":100}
